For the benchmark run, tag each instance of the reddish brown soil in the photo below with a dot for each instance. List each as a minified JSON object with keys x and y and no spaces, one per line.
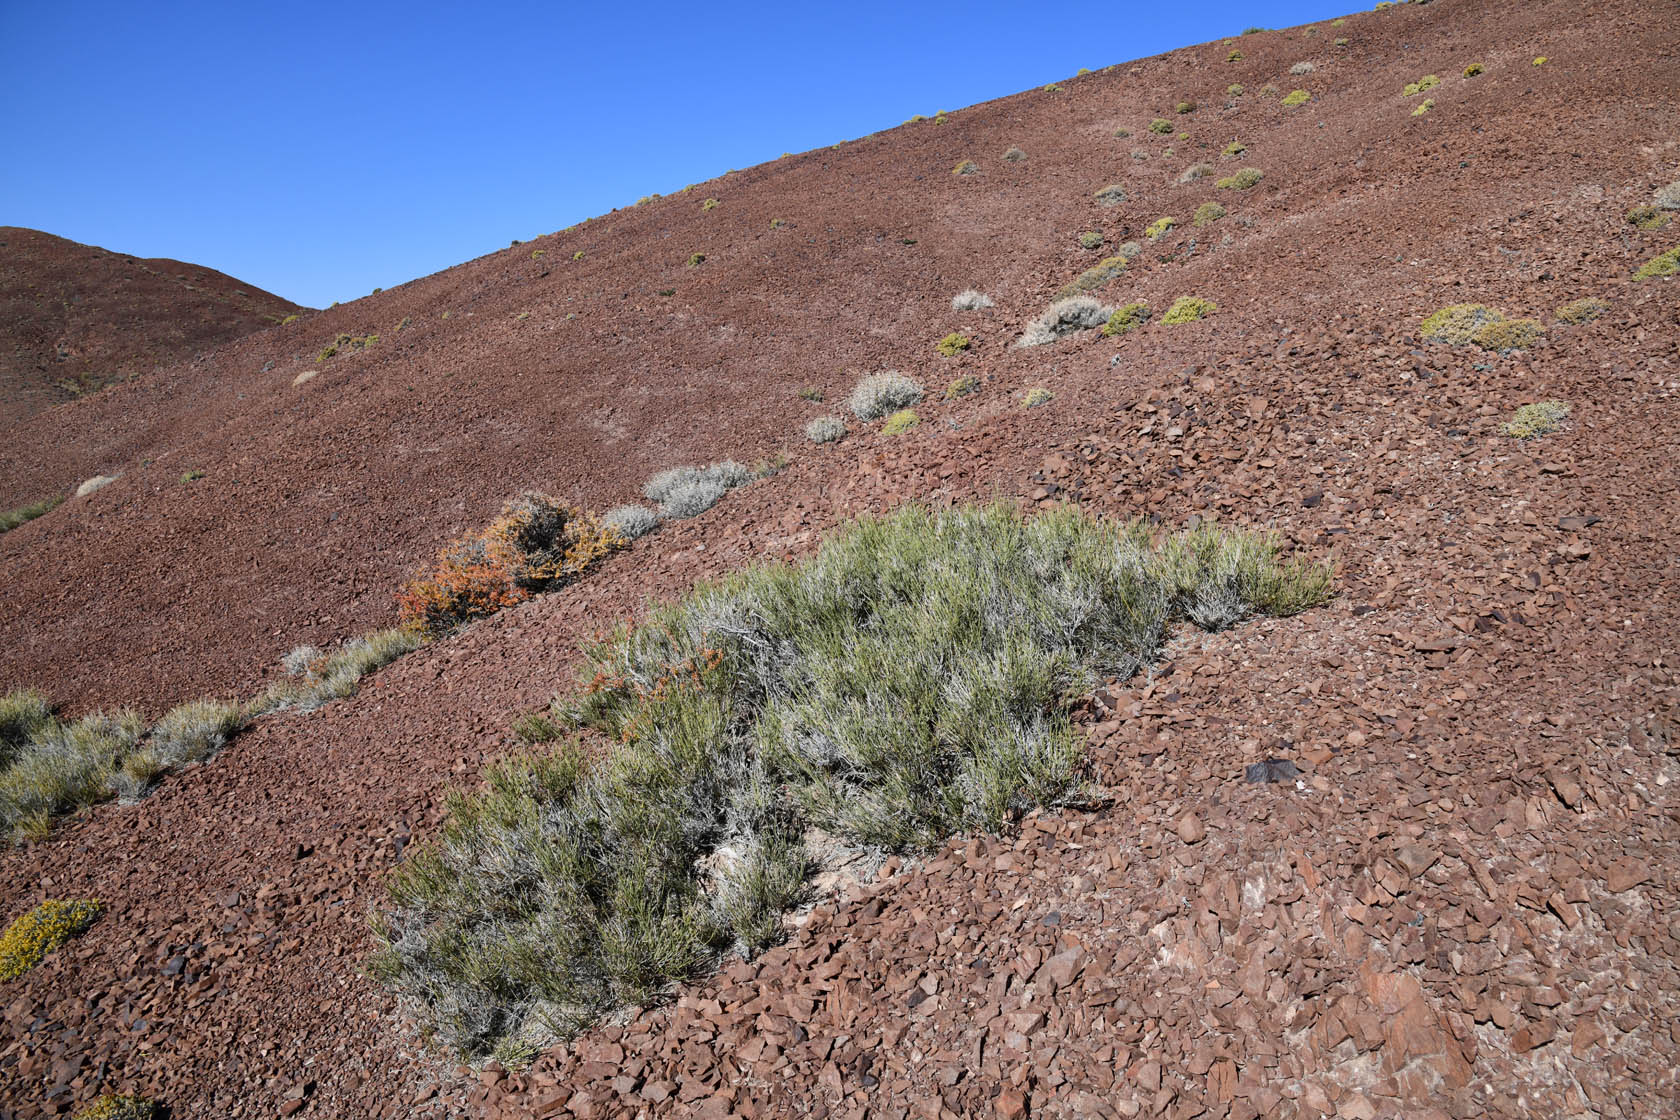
{"x":76,"y":317}
{"x":1465,"y":908}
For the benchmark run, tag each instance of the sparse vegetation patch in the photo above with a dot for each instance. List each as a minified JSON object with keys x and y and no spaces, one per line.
{"x":966,"y":167}
{"x":970,"y":300}
{"x":961,"y":387}
{"x":900,"y":422}
{"x":953,"y":344}
{"x":1663,"y":264}
{"x":1296,"y":97}
{"x":1242,"y":180}
{"x":911,"y":680}
{"x":1036,"y":396}
{"x":1161,"y":126}
{"x":1208,"y":213}
{"x":1537,"y":419}
{"x":1582,"y":310}
{"x":1097,"y":275}
{"x":1064,"y":317}
{"x":1647,"y":217}
{"x":1126,"y":318}
{"x":631,"y":522}
{"x":1112,"y":195}
{"x":1189,"y":309}
{"x":26,"y":942}
{"x":110,"y":1106}
{"x":826,"y":429}
{"x":10,"y":519}
{"x":881,"y":393}
{"x":1160,"y":227}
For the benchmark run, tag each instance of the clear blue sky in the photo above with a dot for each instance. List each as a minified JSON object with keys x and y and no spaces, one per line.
{"x":322,"y":150}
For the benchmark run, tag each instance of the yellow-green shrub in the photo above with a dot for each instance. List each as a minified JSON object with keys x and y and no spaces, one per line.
{"x":1126,"y":318}
{"x":1427,"y":82}
{"x":1582,"y":310}
{"x":1457,"y":325}
{"x":1663,"y":264}
{"x":1242,"y":180}
{"x":28,"y":940}
{"x":1208,"y":213}
{"x":1508,"y":334}
{"x":1473,"y":69}
{"x":952,"y":344}
{"x":1647,"y":217}
{"x":1037,"y":395}
{"x":1159,"y":228}
{"x":1424,"y":106}
{"x":962,"y":387}
{"x":1095,"y":276}
{"x":1233,"y":150}
{"x":112,"y":1107}
{"x":1536,"y":419}
{"x":1296,"y":97}
{"x":966,"y":167}
{"x":1188,"y":309}
{"x":1161,"y":127}
{"x":900,"y":422}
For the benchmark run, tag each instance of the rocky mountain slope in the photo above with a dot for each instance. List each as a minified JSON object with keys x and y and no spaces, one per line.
{"x":74,"y":318}
{"x":1460,"y":903}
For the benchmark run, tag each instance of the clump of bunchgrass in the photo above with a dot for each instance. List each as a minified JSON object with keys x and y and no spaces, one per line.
{"x":912,"y":680}
{"x":194,"y":731}
{"x":1663,"y":264}
{"x":1457,"y":324}
{"x":1036,"y":396}
{"x":1185,"y":107}
{"x":952,"y":344}
{"x":1295,"y":97}
{"x":1195,"y":171}
{"x":1242,"y":180}
{"x":315,"y":677}
{"x":881,"y":393}
{"x":900,"y":422}
{"x":1090,"y":239}
{"x":1537,"y":419}
{"x":1234,"y":150}
{"x":962,"y":386}
{"x":1127,"y":318}
{"x":826,"y":429}
{"x":1160,"y":227}
{"x":1507,"y":335}
{"x":33,"y":934}
{"x":631,"y":522}
{"x":10,"y":519}
{"x":1422,"y":85}
{"x":1474,"y":69}
{"x":60,"y":766}
{"x":1160,"y":126}
{"x":1647,"y":217}
{"x":1582,"y":310}
{"x":1065,"y":317}
{"x":1112,"y":195}
{"x":1097,"y":275}
{"x":111,"y":1106}
{"x":1189,"y":309}
{"x":1208,"y":213}
{"x":1423,"y":107}
{"x":970,"y":300}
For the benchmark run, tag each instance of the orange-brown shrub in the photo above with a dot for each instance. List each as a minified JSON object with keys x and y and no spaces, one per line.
{"x":536,"y":545}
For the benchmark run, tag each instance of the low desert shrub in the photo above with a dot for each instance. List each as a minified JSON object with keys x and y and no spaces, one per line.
{"x":534,"y":545}
{"x":952,"y":344}
{"x":24,"y":714}
{"x":1160,"y":126}
{"x":1537,"y":419}
{"x":1296,"y":97}
{"x":1424,"y":106}
{"x":1090,"y":239}
{"x":26,"y":942}
{"x":900,"y":422}
{"x":1160,"y":227}
{"x":1064,"y":317}
{"x":810,"y":394}
{"x":970,"y":300}
{"x":1457,"y":325}
{"x":1036,"y":396}
{"x":1234,"y":56}
{"x":1302,"y":68}
{"x":826,"y":429}
{"x":1188,"y":309}
{"x":1126,"y":318}
{"x":695,"y":260}
{"x":1422,"y":85}
{"x":1208,"y":213}
{"x":1473,"y":69}
{"x":1663,"y":264}
{"x":61,"y":767}
{"x":1582,"y":310}
{"x":1112,"y":195}
{"x":912,"y":680}
{"x":1541,"y":60}
{"x":1184,"y":107}
{"x":1507,"y":335}
{"x":1195,"y":171}
{"x":1097,"y":275}
{"x":10,"y":519}
{"x":630,"y":522}
{"x":110,"y":1106}
{"x":1014,"y":155}
{"x":315,"y":677}
{"x":966,"y":167}
{"x":1647,"y":217}
{"x":1235,"y":89}
{"x":684,"y":492}
{"x":194,"y":731}
{"x":1242,"y":180}
{"x":881,"y":393}
{"x":1234,"y":150}
{"x":1667,"y":197}
{"x":961,"y":387}
{"x":709,"y":204}
{"x":691,"y":499}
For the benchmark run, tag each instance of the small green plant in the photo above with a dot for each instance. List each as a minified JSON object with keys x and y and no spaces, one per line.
{"x":1422,"y":85}
{"x":1296,"y":97}
{"x":1541,"y":60}
{"x":290,"y":319}
{"x":1507,"y":335}
{"x":1473,"y":69}
{"x":1127,"y":318}
{"x":1663,"y":264}
{"x":1036,"y":396}
{"x":110,"y":1106}
{"x":880,"y":393}
{"x":1052,"y":88}
{"x":1161,"y":127}
{"x":1457,"y":325}
{"x":1647,"y":217}
{"x":709,"y":204}
{"x":1184,"y":107}
{"x":1242,"y":180}
{"x":1095,"y":276}
{"x":1160,"y":227}
{"x":577,"y":256}
{"x":1424,"y":106}
{"x":695,"y":260}
{"x":1208,"y":213}
{"x":1302,"y":69}
{"x":1195,"y":171}
{"x":1235,"y":89}
{"x":191,"y":476}
{"x":1234,"y":150}
{"x":778,"y":223}
{"x":10,"y":519}
{"x":1341,"y":42}
{"x":1268,"y":90}
{"x":1189,"y":309}
{"x":26,"y":942}
{"x":952,"y":344}
{"x":962,"y":387}
{"x":1234,"y":56}
{"x":1537,"y":419}
{"x":1090,"y":239}
{"x":900,"y":422}
{"x":826,"y":429}
{"x":1112,"y":195}
{"x":1064,"y":317}
{"x":1014,"y":155}
{"x":1582,"y":310}
{"x":809,"y":394}
{"x":966,"y":167}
